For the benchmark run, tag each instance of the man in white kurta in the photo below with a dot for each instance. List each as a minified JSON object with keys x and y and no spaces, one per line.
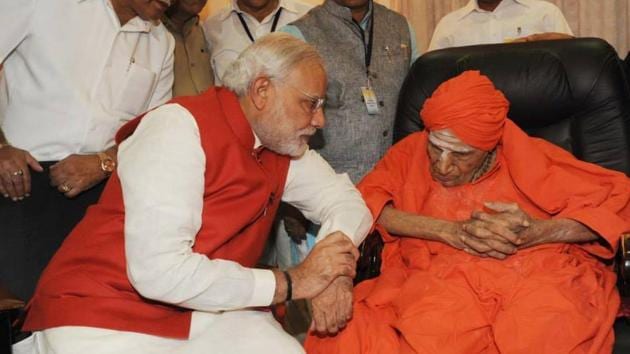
{"x":509,"y":20}
{"x":74,"y":71}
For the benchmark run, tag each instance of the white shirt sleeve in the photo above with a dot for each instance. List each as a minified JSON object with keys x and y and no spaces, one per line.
{"x":326,"y":198}
{"x":15,"y":17}
{"x":161,"y":169}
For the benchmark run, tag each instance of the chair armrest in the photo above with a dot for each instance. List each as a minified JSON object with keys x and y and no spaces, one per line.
{"x":9,"y":302}
{"x":623,"y":265}
{"x":369,"y":262}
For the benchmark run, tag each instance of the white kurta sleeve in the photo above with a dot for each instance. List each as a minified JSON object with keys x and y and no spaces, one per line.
{"x":161,"y":169}
{"x":15,"y":17}
{"x":326,"y":198}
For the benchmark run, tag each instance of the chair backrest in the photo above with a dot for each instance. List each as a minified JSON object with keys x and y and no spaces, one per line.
{"x":573,"y":93}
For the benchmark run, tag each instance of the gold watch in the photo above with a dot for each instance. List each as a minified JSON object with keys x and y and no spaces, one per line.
{"x":108,"y":165}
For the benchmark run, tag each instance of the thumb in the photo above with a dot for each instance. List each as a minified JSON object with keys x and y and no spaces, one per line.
{"x":30,"y":160}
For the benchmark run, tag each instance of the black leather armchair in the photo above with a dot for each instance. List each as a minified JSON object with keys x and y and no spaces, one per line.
{"x":574,"y":93}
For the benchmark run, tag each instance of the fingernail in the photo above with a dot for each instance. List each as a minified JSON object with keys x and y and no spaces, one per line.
{"x":28,"y":195}
{"x":6,"y":195}
{"x":14,"y":199}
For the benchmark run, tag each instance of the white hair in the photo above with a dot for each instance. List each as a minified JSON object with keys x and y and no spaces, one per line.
{"x":274,"y":55}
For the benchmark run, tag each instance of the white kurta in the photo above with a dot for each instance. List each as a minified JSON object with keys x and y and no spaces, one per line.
{"x":162,"y":218}
{"x":512,"y":19}
{"x":74,"y":75}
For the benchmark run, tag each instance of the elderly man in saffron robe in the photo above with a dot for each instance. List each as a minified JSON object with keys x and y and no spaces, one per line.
{"x":495,"y":242}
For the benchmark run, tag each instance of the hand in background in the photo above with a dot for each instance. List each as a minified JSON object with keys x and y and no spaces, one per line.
{"x":15,"y":174}
{"x":76,"y":173}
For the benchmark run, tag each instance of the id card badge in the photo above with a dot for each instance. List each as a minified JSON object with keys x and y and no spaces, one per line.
{"x":369,"y":97}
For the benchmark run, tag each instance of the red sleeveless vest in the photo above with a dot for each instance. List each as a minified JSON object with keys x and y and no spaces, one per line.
{"x":86,"y":282}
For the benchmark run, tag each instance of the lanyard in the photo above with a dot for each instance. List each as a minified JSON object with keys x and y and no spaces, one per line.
{"x":276,"y":17}
{"x":367,"y":47}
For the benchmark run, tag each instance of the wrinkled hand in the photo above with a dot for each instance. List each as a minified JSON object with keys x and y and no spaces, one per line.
{"x":332,"y":308}
{"x":15,"y":176}
{"x":76,"y":173}
{"x":510,"y":222}
{"x":481,"y":239}
{"x":547,"y":36}
{"x":334,"y":256}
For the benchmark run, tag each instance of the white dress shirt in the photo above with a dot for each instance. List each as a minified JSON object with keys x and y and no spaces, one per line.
{"x":227,"y":37}
{"x":74,"y":75}
{"x":512,"y":19}
{"x":161,"y":168}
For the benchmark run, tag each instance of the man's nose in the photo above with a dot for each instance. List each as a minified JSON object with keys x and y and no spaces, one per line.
{"x":319,"y":119}
{"x":444,"y":164}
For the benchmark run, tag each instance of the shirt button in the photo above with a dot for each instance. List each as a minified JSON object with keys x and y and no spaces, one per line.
{"x":381,"y":103}
{"x":386,"y":133}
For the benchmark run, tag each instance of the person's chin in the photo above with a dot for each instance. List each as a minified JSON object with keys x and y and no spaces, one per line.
{"x":445,"y":182}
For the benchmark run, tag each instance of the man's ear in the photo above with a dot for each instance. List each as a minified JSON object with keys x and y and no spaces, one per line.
{"x":259,"y":92}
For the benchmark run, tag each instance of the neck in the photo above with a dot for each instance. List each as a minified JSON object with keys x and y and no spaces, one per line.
{"x":178,"y":18}
{"x":485,"y":166}
{"x":488,"y":5}
{"x":258,"y":13}
{"x":123,"y":11}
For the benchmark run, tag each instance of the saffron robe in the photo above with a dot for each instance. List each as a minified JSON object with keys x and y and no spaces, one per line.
{"x":433,"y":298}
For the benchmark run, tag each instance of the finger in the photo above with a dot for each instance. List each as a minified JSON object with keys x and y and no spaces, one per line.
{"x":30,"y":160}
{"x":345,"y":269}
{"x":7,"y":180}
{"x":320,"y":322}
{"x":497,"y":255}
{"x":26,"y":181}
{"x":502,"y":230}
{"x":474,"y":244}
{"x":474,"y":253}
{"x":502,"y":247}
{"x":509,"y":220}
{"x":56,"y":175}
{"x":18,"y":183}
{"x":502,"y":207}
{"x":73,"y":192}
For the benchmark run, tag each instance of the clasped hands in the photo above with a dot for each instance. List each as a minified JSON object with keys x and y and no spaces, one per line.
{"x":498,"y":233}
{"x":325,"y":277}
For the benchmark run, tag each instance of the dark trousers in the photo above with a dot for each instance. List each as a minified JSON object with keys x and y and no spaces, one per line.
{"x":32,"y":230}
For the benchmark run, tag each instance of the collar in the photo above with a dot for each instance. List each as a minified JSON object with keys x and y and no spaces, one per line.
{"x":236,"y":119}
{"x":344,"y":13}
{"x":188,"y":25}
{"x":473,"y":6}
{"x":286,"y":5}
{"x":136,"y":24}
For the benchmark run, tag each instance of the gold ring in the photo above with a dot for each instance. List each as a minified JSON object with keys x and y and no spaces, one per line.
{"x":65,"y":188}
{"x":18,"y":173}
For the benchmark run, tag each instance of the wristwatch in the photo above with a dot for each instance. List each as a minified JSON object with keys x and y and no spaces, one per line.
{"x":108,"y":165}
